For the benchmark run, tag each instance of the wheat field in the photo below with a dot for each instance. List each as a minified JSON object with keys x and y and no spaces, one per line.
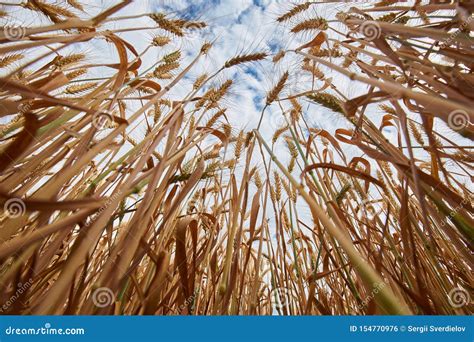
{"x":120,"y":197}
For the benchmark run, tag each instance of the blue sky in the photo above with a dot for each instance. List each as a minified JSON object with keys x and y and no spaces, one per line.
{"x":235,"y":27}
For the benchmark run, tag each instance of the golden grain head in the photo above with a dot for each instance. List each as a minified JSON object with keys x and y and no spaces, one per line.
{"x":275,"y":92}
{"x":241,"y":59}
{"x":160,"y":40}
{"x":10,"y":59}
{"x":311,"y":24}
{"x":294,"y":11}
{"x":327,"y":100}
